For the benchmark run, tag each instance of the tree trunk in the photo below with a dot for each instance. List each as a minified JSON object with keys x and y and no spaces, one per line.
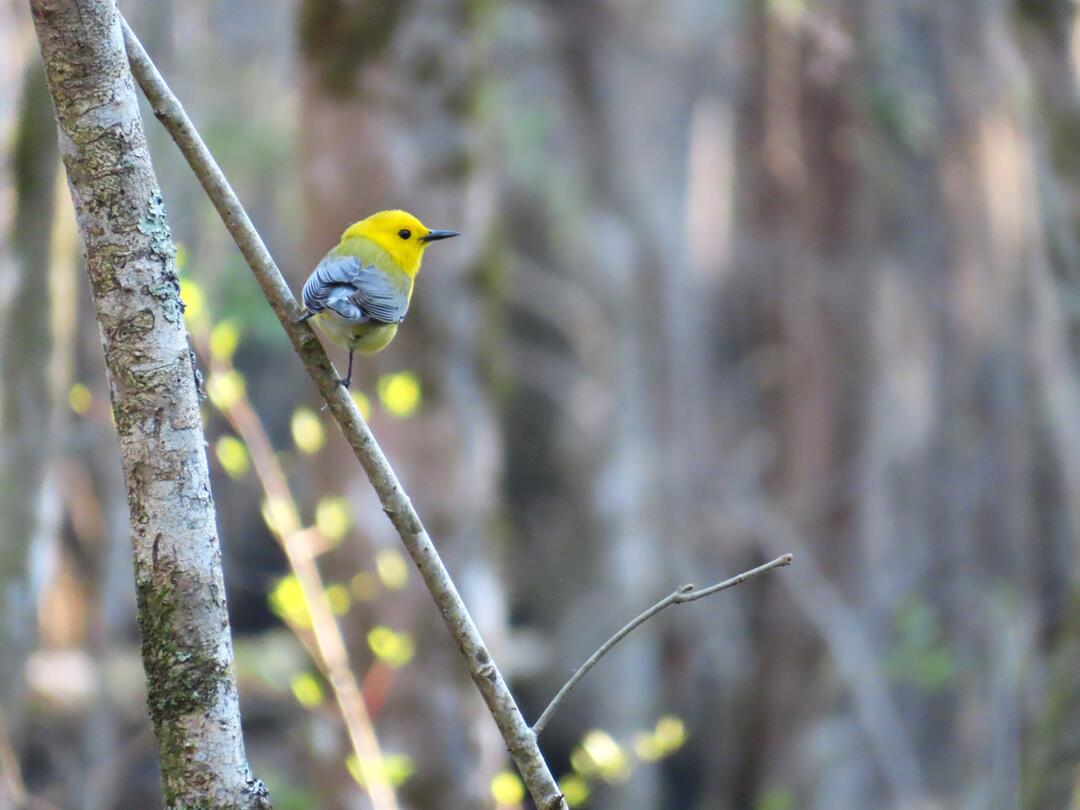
{"x":186,"y":644}
{"x":910,"y":356}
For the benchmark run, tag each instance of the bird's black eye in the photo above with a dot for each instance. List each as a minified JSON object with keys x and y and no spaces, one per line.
{"x":404,"y":233}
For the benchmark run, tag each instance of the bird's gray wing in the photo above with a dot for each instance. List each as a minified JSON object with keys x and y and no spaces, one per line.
{"x":355,"y":293}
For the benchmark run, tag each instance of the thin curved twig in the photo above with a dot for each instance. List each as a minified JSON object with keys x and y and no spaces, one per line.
{"x":682,"y":594}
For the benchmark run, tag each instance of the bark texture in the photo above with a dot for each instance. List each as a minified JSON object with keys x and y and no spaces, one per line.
{"x":186,"y":644}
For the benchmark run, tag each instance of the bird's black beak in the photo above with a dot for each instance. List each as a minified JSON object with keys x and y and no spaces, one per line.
{"x":435,"y":236}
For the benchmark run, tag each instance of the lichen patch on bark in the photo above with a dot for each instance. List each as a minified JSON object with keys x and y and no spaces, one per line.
{"x":181,"y":678}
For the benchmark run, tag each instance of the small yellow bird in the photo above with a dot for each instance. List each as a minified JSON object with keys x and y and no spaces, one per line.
{"x":360,"y":291}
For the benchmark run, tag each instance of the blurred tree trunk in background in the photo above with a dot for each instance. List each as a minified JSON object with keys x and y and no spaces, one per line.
{"x":598,"y":296}
{"x":1052,"y":774}
{"x":607,"y":414}
{"x":1046,"y":37}
{"x":816,"y":295}
{"x":27,"y":412}
{"x":387,"y":121}
{"x":893,"y":311}
{"x":856,"y":341}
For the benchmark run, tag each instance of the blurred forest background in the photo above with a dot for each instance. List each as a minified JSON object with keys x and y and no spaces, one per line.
{"x":738,"y":278}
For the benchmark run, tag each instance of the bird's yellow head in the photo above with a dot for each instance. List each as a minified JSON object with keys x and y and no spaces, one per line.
{"x":400,"y":234}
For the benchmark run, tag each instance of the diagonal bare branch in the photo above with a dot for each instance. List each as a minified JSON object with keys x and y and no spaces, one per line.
{"x":519,"y":738}
{"x":684,"y":593}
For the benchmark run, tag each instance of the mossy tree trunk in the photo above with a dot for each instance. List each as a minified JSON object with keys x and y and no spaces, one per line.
{"x":186,"y":644}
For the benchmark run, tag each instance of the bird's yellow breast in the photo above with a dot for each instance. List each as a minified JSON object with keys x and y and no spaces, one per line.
{"x":366,"y":338}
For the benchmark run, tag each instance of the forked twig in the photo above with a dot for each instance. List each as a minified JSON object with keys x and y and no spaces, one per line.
{"x":680,"y":595}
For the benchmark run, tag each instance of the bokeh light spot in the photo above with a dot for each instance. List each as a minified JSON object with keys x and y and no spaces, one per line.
{"x":395,"y":768}
{"x":233,"y":456}
{"x":507,"y":790}
{"x":600,"y":754}
{"x":194,"y":303}
{"x":338,"y":597}
{"x":395,"y":649}
{"x":307,"y":689}
{"x":307,"y":431}
{"x":80,"y":399}
{"x":280,"y":516}
{"x":392,"y":568}
{"x":225,"y":389}
{"x":574,"y":789}
{"x":400,"y":393}
{"x":332,"y":518}
{"x":363,"y":404}
{"x":364,"y":586}
{"x":287,"y":601}
{"x":670,"y":734}
{"x":224,"y":338}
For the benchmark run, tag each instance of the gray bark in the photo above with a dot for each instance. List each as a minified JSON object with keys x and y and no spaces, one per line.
{"x":186,"y":644}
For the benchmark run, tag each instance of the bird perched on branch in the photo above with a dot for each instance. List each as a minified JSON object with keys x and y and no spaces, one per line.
{"x":359,"y":293}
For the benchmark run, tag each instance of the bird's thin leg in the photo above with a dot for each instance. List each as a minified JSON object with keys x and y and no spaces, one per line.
{"x":348,"y":374}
